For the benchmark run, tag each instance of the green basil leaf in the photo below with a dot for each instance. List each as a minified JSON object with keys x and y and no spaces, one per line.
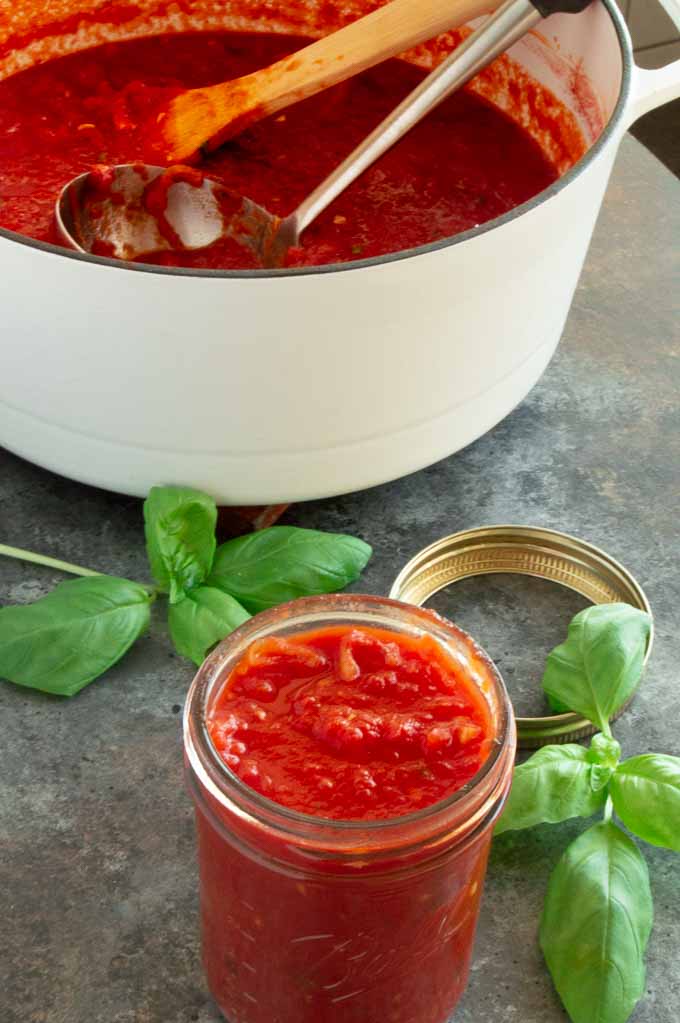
{"x":595,"y":925}
{"x":604,"y":754}
{"x":281,"y":563}
{"x":599,"y":666}
{"x":73,"y":635}
{"x":646,"y":795}
{"x":180,"y":537}
{"x":203,"y":618}
{"x":553,"y":785}
{"x":556,"y":706}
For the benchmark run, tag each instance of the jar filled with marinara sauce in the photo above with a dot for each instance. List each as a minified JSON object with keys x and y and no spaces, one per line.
{"x":348,"y":756}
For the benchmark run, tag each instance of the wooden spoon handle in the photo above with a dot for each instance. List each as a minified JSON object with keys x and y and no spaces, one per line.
{"x":387,"y":31}
{"x":213,"y":114}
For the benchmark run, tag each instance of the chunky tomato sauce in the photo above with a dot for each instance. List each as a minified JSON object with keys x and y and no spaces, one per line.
{"x":366,"y":912}
{"x":351,"y":724}
{"x":465,"y":164}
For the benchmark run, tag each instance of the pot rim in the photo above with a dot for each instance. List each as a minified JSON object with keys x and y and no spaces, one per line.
{"x":389,"y":257}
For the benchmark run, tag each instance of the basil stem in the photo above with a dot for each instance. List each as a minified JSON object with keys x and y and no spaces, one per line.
{"x":43,"y":559}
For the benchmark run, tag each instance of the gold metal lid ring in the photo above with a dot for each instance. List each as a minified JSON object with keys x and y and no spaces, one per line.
{"x":525,"y":550}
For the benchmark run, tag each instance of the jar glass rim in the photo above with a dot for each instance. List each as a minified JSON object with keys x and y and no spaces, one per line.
{"x":225,"y":784}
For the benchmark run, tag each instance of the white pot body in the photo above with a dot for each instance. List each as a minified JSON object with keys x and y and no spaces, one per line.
{"x":268,"y":388}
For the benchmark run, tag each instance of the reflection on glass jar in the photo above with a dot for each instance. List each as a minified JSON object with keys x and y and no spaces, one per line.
{"x":309,"y":920}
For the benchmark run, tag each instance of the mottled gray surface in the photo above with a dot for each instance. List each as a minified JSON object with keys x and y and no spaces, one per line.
{"x":98,"y":878}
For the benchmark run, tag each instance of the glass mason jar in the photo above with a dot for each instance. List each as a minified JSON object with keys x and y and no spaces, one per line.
{"x":307,"y":920}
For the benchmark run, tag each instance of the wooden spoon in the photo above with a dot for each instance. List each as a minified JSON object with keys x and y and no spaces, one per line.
{"x":209,"y":116}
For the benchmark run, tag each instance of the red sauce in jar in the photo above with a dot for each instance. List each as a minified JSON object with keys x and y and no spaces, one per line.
{"x":365,"y":911}
{"x":465,"y":164}
{"x":350,"y":723}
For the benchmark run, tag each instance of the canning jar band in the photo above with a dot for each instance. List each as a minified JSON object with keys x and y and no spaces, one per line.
{"x":534,"y":551}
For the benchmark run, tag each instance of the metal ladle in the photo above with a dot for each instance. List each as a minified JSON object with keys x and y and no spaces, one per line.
{"x":201,"y":214}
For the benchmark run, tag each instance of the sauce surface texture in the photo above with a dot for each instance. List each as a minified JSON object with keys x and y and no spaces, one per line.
{"x":351,"y":723}
{"x":465,"y":164}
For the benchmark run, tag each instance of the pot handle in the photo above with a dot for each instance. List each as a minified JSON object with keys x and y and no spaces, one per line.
{"x":652,"y":89}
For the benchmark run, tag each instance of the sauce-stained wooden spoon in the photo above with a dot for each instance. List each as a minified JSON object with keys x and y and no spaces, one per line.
{"x":210,"y":115}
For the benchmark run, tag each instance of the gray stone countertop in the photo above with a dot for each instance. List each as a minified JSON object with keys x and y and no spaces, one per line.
{"x":98,"y":879}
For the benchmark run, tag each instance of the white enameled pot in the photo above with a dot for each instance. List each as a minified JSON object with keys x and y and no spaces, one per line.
{"x":279,"y":386}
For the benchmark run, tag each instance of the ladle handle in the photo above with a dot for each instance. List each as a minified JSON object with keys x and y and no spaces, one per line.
{"x":503,"y":28}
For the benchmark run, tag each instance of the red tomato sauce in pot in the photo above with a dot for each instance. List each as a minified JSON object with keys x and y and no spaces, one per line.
{"x":351,"y":724}
{"x":465,"y":164}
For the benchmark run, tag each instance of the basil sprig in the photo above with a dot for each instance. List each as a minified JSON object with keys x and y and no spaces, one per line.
{"x":65,"y":640}
{"x":598,"y":909}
